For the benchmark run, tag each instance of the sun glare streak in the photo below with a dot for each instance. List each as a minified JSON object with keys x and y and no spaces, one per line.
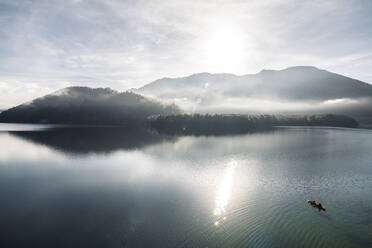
{"x":224,"y":193}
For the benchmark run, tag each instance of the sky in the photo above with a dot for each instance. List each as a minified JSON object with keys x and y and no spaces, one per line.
{"x":46,"y":45}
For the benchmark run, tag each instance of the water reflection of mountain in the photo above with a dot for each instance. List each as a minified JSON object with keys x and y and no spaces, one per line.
{"x":82,"y":140}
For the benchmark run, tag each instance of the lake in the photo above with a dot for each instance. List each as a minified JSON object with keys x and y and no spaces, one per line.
{"x":64,"y":186}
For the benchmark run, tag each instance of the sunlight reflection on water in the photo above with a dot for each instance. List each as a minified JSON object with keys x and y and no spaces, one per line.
{"x":224,"y":193}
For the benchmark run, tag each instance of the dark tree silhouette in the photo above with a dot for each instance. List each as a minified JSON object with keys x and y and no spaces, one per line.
{"x":225,"y":124}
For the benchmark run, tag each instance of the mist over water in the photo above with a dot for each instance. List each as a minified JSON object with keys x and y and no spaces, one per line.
{"x":114,"y":188}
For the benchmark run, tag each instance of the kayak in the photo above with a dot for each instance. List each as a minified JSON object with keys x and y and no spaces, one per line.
{"x":317,"y":205}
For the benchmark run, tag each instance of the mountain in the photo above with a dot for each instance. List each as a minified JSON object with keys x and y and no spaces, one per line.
{"x":295,"y":90}
{"x":83,"y":105}
{"x":300,"y":89}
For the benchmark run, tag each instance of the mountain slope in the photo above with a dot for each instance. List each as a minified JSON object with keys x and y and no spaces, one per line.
{"x":83,"y":105}
{"x":300,"y":89}
{"x":294,"y":83}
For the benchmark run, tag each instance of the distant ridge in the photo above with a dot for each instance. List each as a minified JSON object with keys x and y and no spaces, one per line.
{"x":294,"y":90}
{"x":293,"y":83}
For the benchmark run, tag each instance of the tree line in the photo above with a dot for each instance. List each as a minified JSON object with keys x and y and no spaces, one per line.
{"x":232,"y":123}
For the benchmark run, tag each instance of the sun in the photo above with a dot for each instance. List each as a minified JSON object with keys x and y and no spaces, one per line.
{"x":225,"y":49}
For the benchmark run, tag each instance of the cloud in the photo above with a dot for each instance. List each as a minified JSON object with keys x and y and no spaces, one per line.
{"x":17,"y":92}
{"x":340,"y":101}
{"x":125,"y":44}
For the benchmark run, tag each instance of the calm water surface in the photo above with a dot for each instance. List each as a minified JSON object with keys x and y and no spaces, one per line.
{"x":109,"y":187}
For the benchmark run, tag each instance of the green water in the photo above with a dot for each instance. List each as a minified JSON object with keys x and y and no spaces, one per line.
{"x":109,"y":187}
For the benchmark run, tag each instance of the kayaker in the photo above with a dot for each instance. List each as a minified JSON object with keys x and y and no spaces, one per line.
{"x":317,"y":205}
